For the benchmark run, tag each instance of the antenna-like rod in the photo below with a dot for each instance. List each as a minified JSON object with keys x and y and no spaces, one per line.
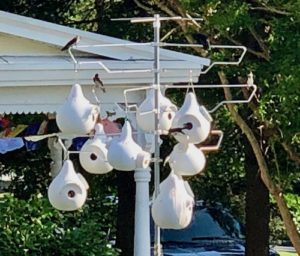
{"x":156,"y":30}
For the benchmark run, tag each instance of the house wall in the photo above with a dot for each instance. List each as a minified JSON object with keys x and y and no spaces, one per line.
{"x":48,"y":99}
{"x":37,"y":77}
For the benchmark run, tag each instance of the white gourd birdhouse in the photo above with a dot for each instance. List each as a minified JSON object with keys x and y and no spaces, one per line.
{"x":77,"y":115}
{"x":68,"y":190}
{"x":93,"y":154}
{"x":125,"y":154}
{"x":173,"y":207}
{"x":145,"y":115}
{"x":186,"y":159}
{"x":193,"y":116}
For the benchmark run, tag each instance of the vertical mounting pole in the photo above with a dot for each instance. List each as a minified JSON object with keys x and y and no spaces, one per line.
{"x":142,"y":177}
{"x":142,"y":239}
{"x":156,"y":30}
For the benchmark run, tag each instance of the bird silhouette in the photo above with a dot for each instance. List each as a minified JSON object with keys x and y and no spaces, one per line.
{"x":72,"y":42}
{"x":246,"y":90}
{"x":109,"y":114}
{"x":202,"y":39}
{"x":98,"y":83}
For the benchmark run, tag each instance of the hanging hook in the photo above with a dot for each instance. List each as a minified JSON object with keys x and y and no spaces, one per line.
{"x":65,"y":150}
{"x":190,"y":83}
{"x":126,"y":118}
{"x":76,"y":65}
{"x":95,"y":95}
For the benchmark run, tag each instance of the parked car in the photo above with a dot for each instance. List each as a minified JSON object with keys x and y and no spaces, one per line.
{"x":213,"y":231}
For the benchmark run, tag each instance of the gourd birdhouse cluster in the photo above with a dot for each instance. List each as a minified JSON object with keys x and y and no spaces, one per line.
{"x":98,"y":155}
{"x":189,"y":125}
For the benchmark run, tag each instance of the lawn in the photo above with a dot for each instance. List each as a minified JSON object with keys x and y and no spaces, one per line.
{"x":288,"y":254}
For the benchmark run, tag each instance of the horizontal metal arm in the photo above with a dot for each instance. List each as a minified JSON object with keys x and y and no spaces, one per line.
{"x":127,"y":106}
{"x":214,"y":147}
{"x":235,"y":101}
{"x":243,"y":48}
{"x":160,"y":44}
{"x":100,"y":63}
{"x":111,"y":45}
{"x":212,"y":86}
{"x":152,"y":19}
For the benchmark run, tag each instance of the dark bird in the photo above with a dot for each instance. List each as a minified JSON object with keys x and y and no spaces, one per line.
{"x":109,"y":114}
{"x":186,"y":126}
{"x":72,"y":42}
{"x":98,"y":82}
{"x":202,"y":39}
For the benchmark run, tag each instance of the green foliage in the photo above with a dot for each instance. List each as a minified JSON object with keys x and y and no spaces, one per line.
{"x":288,"y":254}
{"x":33,"y":227}
{"x":29,"y":171}
{"x":278,"y":233}
{"x":30,"y":224}
{"x":45,"y":10}
{"x":293,"y":202}
{"x":270,"y":31}
{"x":223,"y":180}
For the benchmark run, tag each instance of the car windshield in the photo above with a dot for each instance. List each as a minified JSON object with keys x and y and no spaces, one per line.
{"x":208,"y":223}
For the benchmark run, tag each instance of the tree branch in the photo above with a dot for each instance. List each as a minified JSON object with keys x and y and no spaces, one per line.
{"x":144,"y":7}
{"x":291,"y":153}
{"x":183,"y":24}
{"x":274,"y":189}
{"x":271,"y":10}
{"x":274,"y":131}
{"x":260,"y":42}
{"x":256,"y":53}
{"x":78,"y":22}
{"x":166,"y":36}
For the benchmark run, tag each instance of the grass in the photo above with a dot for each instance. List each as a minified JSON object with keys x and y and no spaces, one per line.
{"x":288,"y":254}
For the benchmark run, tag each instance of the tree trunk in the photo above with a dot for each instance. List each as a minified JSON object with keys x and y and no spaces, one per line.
{"x":257,"y":208}
{"x":125,"y":218}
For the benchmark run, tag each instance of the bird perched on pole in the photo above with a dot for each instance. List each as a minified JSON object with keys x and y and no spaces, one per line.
{"x":202,"y":39}
{"x":75,"y":40}
{"x":250,"y":80}
{"x":98,"y":83}
{"x":246,"y":90}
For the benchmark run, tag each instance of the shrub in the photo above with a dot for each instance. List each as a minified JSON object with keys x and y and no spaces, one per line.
{"x":33,"y":227}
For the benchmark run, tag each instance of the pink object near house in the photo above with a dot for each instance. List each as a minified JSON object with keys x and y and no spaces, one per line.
{"x":110,"y":127}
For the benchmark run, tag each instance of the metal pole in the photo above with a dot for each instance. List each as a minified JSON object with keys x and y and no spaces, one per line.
{"x":156,"y":30}
{"x":142,"y":215}
{"x":142,"y":177}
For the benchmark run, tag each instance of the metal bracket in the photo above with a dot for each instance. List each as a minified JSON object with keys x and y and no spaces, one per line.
{"x":216,"y":147}
{"x":127,"y":106}
{"x":243,"y":48}
{"x":212,"y":86}
{"x":100,"y":63}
